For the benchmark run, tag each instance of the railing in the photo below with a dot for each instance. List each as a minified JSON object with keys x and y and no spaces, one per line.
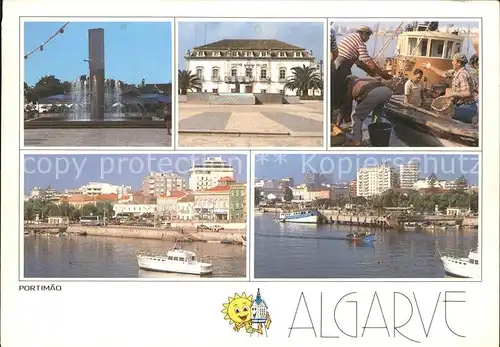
{"x":453,"y":253}
{"x":265,"y":79}
{"x":239,"y":79}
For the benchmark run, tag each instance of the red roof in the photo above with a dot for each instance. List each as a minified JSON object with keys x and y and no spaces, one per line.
{"x":219,"y":189}
{"x":226,"y":179}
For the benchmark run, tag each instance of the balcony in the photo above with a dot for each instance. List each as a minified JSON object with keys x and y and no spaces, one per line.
{"x":265,"y":79}
{"x":216,"y":79}
{"x":239,"y":79}
{"x":282,"y":80}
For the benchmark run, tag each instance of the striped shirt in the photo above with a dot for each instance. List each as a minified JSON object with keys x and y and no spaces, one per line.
{"x":353,"y":48}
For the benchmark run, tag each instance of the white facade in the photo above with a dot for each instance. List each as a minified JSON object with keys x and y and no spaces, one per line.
{"x":265,"y":183}
{"x":408,"y":175}
{"x":374,"y":180}
{"x":207,"y":175}
{"x":98,"y":188}
{"x":246,"y":66}
{"x":136,"y":209}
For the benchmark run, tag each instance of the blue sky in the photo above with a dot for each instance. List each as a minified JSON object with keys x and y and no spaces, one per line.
{"x":343,"y":167}
{"x":133,"y":51}
{"x":303,"y":34}
{"x":73,"y":171}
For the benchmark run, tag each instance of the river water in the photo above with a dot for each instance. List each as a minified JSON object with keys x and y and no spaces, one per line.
{"x":309,"y":251}
{"x":110,"y":257}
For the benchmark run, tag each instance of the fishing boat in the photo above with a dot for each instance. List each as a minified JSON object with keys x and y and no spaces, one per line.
{"x":301,"y":216}
{"x":430,"y":125}
{"x":176,"y":260}
{"x":457,"y":266}
{"x":365,"y":237}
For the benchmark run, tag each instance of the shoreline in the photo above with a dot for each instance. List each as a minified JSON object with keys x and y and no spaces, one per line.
{"x":235,"y":236}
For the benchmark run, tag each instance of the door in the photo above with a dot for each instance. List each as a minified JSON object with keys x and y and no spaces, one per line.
{"x":249,"y":89}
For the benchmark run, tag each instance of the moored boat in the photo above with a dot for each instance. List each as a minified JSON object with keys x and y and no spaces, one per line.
{"x":365,"y":237}
{"x":301,"y":216}
{"x":176,"y":260}
{"x":458,"y":266}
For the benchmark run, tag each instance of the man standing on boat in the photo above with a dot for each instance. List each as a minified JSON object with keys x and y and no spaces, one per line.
{"x":414,"y":89}
{"x":461,"y":92}
{"x":334,"y":52}
{"x":370,"y":95}
{"x":352,"y":50}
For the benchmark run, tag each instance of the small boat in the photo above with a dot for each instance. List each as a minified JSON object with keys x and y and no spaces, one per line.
{"x":176,"y":260}
{"x":301,"y":216}
{"x":258,"y":212}
{"x":365,"y":237}
{"x":457,"y":266}
{"x":82,"y":233}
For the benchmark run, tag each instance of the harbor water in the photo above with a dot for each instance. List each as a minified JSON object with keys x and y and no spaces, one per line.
{"x":286,"y":250}
{"x":111,"y":257}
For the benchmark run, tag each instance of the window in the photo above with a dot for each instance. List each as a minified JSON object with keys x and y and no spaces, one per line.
{"x":437,"y":48}
{"x":215,"y":73}
{"x":282,"y":91}
{"x":263,"y":73}
{"x":282,"y":54}
{"x":263,"y":91}
{"x":215,"y":91}
{"x":199,"y":73}
{"x":421,"y":50}
{"x":233,"y":72}
{"x":458,"y":47}
{"x":248,"y":72}
{"x":282,"y":73}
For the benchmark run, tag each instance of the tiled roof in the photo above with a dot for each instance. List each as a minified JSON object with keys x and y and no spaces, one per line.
{"x":174,"y":194}
{"x":248,"y":44}
{"x":187,"y":198}
{"x":226,"y":179}
{"x":218,"y":189}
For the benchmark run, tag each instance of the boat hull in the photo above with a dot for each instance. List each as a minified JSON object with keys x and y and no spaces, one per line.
{"x":460,"y":267}
{"x":305,"y":216}
{"x":397,"y":64}
{"x":174,"y":266}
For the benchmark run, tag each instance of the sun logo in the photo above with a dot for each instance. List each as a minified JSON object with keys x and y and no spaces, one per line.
{"x":244,"y":312}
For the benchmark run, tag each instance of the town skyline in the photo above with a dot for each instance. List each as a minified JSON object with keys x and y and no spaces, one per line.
{"x":343,"y":168}
{"x":307,"y":35}
{"x":74,"y":171}
{"x":147,"y":53}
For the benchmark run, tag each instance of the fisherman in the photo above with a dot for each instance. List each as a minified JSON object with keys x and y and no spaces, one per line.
{"x":167,"y":117}
{"x":414,"y":89}
{"x":352,"y":50}
{"x":370,"y":95}
{"x":462,"y":88}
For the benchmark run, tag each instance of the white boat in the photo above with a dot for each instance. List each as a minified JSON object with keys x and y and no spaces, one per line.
{"x":455,"y":266}
{"x":176,"y":260}
{"x":302,"y":216}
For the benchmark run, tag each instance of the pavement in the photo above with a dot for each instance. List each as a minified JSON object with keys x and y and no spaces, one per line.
{"x":291,"y":125}
{"x":97,"y":137}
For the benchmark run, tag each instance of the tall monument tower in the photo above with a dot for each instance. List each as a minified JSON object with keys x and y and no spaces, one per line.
{"x":96,"y":67}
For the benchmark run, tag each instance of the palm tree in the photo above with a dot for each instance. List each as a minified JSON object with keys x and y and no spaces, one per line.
{"x":304,"y":78}
{"x":187,"y":81}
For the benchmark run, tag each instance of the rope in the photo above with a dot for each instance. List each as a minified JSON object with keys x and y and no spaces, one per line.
{"x":40,"y":47}
{"x":420,"y":39}
{"x":387,"y":42}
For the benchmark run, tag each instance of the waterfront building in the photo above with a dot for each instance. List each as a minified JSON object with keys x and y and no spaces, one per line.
{"x":265,"y":183}
{"x":246,"y":65}
{"x":237,"y":200}
{"x":286,"y":182}
{"x":185,"y":207}
{"x":99,"y":188}
{"x":158,"y":183}
{"x":134,"y":209}
{"x":81,"y":200}
{"x":352,"y":188}
{"x":207,"y":175}
{"x":374,"y":180}
{"x":168,"y":203}
{"x":224,"y":202}
{"x":408,"y":175}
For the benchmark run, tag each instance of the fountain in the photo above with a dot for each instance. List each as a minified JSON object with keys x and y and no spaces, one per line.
{"x":96,"y":102}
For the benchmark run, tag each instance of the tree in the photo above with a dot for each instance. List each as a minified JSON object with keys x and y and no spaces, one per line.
{"x":304,"y":78}
{"x":256,"y":195}
{"x":432,"y":179}
{"x":288,"y":196}
{"x":461,"y":183}
{"x":46,"y":86}
{"x":187,"y":81}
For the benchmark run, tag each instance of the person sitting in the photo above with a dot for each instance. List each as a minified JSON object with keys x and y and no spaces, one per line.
{"x":414,"y":89}
{"x":370,"y":94}
{"x":461,"y":92}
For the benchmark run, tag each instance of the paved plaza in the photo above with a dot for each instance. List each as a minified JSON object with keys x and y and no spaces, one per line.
{"x":97,"y":137}
{"x":291,"y":125}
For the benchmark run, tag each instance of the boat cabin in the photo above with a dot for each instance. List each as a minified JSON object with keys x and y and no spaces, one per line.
{"x":181,"y":255}
{"x":432,"y":45}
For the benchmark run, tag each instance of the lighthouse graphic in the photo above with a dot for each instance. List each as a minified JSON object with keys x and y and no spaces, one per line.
{"x":261,"y":320}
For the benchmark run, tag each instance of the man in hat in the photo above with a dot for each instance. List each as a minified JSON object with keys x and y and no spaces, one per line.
{"x":461,"y":92}
{"x":370,"y":95}
{"x":352,"y":50}
{"x":334,"y":51}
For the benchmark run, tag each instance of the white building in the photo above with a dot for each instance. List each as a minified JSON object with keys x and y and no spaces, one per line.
{"x":374,"y":180}
{"x":408,"y":175}
{"x":207,"y":175}
{"x":246,"y":65}
{"x":265,"y":183}
{"x":158,"y":183}
{"x":98,"y":188}
{"x":135,"y":209}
